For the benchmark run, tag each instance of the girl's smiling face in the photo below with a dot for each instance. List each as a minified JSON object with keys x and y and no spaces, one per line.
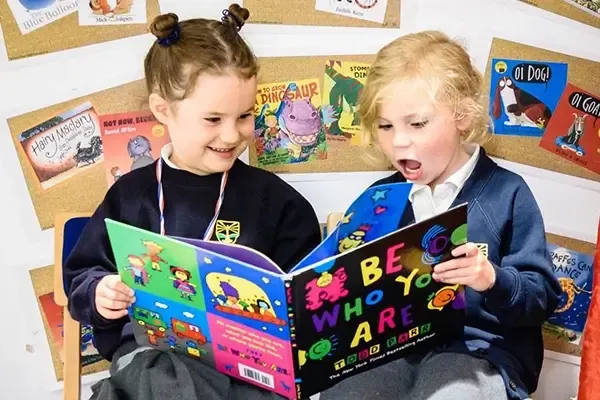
{"x":420,"y":138}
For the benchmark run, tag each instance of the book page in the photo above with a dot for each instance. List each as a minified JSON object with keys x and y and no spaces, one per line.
{"x":227,"y":314}
{"x":376,"y":303}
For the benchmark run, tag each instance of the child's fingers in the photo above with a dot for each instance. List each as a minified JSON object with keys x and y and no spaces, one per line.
{"x":112,"y":304}
{"x":456,"y":263}
{"x":467,"y":249}
{"x":119,"y":286}
{"x":458,"y":273}
{"x":112,"y":314}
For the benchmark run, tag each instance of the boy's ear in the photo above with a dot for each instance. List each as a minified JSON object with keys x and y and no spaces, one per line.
{"x":160,"y":108}
{"x":463,"y":122}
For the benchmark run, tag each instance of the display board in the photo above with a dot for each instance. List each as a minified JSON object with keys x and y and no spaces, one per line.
{"x":584,"y":11}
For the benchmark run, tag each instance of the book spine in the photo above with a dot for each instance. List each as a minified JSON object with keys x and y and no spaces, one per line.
{"x":291,"y":315}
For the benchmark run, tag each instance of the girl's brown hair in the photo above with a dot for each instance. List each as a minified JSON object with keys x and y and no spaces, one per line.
{"x":433,"y":63}
{"x":185,"y":50}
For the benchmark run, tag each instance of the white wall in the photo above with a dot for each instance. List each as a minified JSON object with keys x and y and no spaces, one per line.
{"x":30,"y":84}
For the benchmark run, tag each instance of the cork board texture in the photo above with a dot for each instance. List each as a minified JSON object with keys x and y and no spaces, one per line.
{"x":526,"y":149}
{"x":344,"y":152}
{"x":42,"y":281}
{"x":79,"y":189}
{"x":65,"y":33}
{"x":559,"y":339}
{"x":584,"y":11}
{"x":304,"y":13}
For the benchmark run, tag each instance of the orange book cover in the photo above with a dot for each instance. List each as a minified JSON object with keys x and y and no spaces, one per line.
{"x":130,"y":140}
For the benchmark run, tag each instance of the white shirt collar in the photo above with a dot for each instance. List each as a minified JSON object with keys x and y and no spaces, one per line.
{"x":457,"y":179}
{"x":165,"y":153}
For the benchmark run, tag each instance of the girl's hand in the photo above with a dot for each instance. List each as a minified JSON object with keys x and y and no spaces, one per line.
{"x":113,"y":297}
{"x":473,"y":270}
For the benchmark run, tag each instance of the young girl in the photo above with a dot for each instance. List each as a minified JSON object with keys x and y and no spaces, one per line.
{"x":201,"y":77}
{"x":421,"y":105}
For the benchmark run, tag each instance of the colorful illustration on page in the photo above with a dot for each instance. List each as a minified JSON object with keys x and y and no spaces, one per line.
{"x":64,"y":145}
{"x":574,"y":271}
{"x":574,"y":131}
{"x":591,"y":7}
{"x":54,"y":316}
{"x":524,"y":95}
{"x":368,"y":10}
{"x":130,"y":141}
{"x":289,"y":123}
{"x":34,"y":14}
{"x":343,"y":82}
{"x":112,"y":12}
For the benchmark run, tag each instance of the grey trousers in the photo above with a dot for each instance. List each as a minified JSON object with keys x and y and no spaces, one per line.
{"x":437,"y":376}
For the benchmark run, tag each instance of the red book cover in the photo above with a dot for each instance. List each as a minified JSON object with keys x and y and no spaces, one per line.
{"x":130,"y":140}
{"x":573,"y":132}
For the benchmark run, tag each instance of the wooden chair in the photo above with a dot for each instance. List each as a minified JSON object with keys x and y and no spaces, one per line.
{"x":68,"y":228}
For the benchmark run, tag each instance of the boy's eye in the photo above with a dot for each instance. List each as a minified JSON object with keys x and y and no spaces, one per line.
{"x":244,"y":116}
{"x":214,"y":120}
{"x":419,"y":125}
{"x":385,"y":127}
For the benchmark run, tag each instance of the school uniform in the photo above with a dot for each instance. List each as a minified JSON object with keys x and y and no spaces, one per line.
{"x":258,"y":210}
{"x":500,"y":353}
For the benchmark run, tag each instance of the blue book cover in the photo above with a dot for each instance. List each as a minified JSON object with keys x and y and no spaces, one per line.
{"x":524,"y":95}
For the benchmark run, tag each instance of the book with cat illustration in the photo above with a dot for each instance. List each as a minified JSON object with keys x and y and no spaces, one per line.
{"x":130,"y":140}
{"x":362,"y":298}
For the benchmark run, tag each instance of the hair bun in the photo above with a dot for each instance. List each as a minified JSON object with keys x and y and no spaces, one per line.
{"x":236,"y":16}
{"x":163,"y":25}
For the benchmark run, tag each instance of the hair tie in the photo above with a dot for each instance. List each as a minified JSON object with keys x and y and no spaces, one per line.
{"x":171,"y":38}
{"x":224,"y":19}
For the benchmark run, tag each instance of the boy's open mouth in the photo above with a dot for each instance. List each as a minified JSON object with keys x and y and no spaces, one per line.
{"x":411,"y":169}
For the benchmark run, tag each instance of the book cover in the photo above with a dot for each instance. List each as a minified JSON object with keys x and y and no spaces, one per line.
{"x":524,"y":95}
{"x":342,"y":84}
{"x":64,"y":145}
{"x":296,"y":334}
{"x":289,"y":126}
{"x":34,"y":14}
{"x":368,"y":10}
{"x":112,"y":12}
{"x":130,"y":140}
{"x":573,"y":131}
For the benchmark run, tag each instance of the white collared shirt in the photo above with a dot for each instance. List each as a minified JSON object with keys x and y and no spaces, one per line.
{"x":165,"y":153}
{"x":427,"y":204}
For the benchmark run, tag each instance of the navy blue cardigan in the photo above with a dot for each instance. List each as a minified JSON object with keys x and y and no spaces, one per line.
{"x":503,"y":324}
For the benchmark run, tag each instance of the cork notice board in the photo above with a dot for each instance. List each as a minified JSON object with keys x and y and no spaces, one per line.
{"x":42,"y":281}
{"x":302,"y":12}
{"x":64,"y":33}
{"x":573,"y":9}
{"x":341,"y":156}
{"x":526,"y":150}
{"x":84,"y":191}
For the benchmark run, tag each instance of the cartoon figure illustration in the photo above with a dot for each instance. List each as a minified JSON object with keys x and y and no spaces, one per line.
{"x":109,"y":7}
{"x":228,"y":367}
{"x":153,"y":254}
{"x":88,"y":155}
{"x":172,"y":340}
{"x":138,"y":270}
{"x":285,"y":387}
{"x":521,"y":107}
{"x":327,"y":287}
{"x":227,"y":231}
{"x":192,"y":348}
{"x":442,"y":297}
{"x":354,"y":239}
{"x":152,"y":338}
{"x":238,"y":296}
{"x":344,"y":98}
{"x":139,"y":148}
{"x":571,"y":140}
{"x":570,"y":289}
{"x":181,"y":282}
{"x":116,"y":173}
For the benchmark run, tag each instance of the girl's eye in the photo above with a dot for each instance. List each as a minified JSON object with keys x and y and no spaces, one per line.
{"x":244,"y":116}
{"x":419,"y":125}
{"x":385,"y":127}
{"x":214,"y":120}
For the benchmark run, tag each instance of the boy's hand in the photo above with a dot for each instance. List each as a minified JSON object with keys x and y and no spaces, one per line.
{"x":473,"y":270}
{"x":113,"y":297}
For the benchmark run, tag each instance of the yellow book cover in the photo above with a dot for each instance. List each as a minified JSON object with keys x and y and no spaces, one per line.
{"x":289,"y":125}
{"x":342,"y":85}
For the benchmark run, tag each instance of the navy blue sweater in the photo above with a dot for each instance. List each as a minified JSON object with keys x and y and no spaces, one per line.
{"x":273,"y":218}
{"x":503,"y":324}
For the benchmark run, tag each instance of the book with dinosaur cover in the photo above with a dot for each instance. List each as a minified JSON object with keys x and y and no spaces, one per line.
{"x":524,"y":95}
{"x":363,"y":298}
{"x":342,"y":85}
{"x":573,"y":132}
{"x":289,"y":123}
{"x":130,"y":140}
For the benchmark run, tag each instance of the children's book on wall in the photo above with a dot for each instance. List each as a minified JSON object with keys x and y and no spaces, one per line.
{"x":584,"y":11}
{"x":298,"y":333}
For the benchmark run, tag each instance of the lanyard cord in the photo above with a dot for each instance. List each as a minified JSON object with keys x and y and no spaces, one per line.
{"x":161,"y":201}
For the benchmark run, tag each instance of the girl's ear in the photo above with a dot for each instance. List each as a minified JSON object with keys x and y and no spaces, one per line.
{"x":463,"y":122}
{"x":160,"y":108}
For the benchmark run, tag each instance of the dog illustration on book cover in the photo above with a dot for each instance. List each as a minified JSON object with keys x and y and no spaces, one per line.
{"x":521,"y":107}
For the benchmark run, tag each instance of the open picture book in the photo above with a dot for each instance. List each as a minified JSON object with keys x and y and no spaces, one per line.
{"x":362,"y":298}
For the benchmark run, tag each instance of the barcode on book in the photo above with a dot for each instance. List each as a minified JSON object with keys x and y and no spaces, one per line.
{"x":256,"y":375}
